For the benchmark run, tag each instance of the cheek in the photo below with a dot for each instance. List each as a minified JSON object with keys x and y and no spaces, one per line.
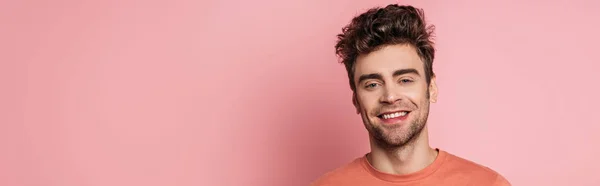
{"x":368,"y":101}
{"x":417,"y":93}
{"x":417,"y":98}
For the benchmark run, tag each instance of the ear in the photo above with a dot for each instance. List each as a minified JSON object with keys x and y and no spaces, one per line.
{"x":355,"y":103}
{"x":433,"y":90}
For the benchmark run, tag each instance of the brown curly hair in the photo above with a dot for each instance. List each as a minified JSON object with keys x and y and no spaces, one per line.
{"x":378,"y":27}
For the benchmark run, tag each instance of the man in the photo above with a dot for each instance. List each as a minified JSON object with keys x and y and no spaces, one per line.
{"x":388,"y":54}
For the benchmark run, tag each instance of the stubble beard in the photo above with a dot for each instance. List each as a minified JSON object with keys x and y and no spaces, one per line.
{"x":394,"y":137}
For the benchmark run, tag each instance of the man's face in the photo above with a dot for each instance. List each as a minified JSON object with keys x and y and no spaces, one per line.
{"x":392,"y":94}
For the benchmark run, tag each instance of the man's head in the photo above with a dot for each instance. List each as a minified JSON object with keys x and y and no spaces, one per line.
{"x":388,"y":54}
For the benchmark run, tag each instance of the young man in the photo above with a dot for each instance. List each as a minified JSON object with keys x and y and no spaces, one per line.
{"x":388,"y":54}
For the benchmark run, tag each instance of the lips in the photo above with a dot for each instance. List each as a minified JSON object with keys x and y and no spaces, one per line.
{"x":394,"y":116}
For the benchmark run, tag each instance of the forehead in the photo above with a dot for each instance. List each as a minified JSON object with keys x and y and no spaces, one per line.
{"x":387,"y":60}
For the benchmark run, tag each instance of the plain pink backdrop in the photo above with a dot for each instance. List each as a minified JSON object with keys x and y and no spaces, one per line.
{"x":153,"y":93}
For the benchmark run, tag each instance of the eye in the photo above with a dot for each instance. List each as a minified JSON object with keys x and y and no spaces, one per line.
{"x":371,"y":85}
{"x":405,"y":80}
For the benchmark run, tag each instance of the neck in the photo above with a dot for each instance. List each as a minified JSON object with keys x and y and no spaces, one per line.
{"x":415,"y":155}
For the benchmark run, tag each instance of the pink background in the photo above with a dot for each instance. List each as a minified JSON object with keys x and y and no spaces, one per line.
{"x":159,"y":93}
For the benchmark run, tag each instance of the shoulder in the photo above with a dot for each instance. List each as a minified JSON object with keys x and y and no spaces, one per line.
{"x":476,"y":172}
{"x":341,"y":175}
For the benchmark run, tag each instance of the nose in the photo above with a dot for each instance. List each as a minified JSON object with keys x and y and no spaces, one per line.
{"x":390,"y":96}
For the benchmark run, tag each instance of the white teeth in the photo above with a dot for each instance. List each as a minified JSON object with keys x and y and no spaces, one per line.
{"x":394,"y":115}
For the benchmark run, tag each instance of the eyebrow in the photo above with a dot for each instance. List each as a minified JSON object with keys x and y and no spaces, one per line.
{"x":406,"y":71}
{"x":396,"y":73}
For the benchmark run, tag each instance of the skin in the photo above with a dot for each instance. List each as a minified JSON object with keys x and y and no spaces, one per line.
{"x":392,"y":79}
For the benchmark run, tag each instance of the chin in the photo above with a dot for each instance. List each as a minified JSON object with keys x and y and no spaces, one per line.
{"x":397,"y":138}
{"x":390,"y":136}
{"x":396,"y":135}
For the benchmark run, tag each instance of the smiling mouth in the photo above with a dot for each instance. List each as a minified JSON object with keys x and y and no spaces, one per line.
{"x":393,"y":115}
{"x":392,"y":118}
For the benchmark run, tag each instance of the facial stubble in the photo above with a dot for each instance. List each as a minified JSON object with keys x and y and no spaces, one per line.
{"x":395,"y":137}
